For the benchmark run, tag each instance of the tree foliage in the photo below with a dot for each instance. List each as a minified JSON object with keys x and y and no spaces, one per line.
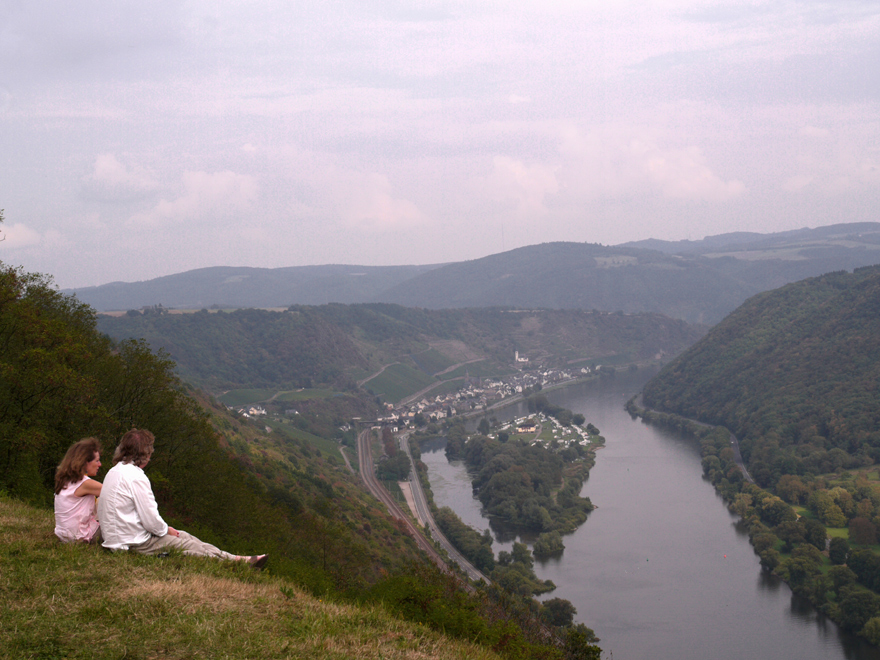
{"x":793,"y":373}
{"x":528,"y":486}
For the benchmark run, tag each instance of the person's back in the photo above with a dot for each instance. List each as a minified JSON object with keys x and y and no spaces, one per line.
{"x":74,"y":514}
{"x":127,"y":509}
{"x":75,"y":493}
{"x":129,"y":515}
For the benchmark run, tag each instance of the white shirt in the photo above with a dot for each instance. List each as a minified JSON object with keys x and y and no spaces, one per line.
{"x":75,"y":516}
{"x":127,"y":509}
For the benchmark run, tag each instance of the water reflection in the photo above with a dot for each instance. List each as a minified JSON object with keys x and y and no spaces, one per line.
{"x":661,"y":569}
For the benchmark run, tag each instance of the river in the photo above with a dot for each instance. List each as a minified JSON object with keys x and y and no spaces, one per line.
{"x":660,"y":569}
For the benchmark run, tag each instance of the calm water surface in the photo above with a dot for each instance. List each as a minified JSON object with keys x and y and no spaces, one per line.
{"x":660,"y":569}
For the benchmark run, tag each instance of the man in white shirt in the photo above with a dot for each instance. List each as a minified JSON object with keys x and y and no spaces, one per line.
{"x":128,"y":512}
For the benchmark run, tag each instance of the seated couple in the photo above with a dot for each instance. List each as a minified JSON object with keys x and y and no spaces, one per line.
{"x":126,"y":516}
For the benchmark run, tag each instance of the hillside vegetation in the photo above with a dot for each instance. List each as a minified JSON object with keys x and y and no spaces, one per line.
{"x":341,"y":344}
{"x":213,"y":475}
{"x":230,"y":482}
{"x":793,"y":372}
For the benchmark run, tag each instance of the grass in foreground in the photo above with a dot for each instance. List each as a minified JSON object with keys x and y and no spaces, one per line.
{"x":76,"y":601}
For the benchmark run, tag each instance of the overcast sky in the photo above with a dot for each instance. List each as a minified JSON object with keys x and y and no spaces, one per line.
{"x":141,"y":139}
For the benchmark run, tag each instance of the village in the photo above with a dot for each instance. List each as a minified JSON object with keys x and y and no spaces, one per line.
{"x":479,"y":396}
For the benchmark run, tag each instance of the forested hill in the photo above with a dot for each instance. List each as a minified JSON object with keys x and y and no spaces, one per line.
{"x":793,"y":372}
{"x":698,"y":281}
{"x":338,"y":345}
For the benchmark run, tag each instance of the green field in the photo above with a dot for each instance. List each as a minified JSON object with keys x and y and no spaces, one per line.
{"x":397,"y":382}
{"x":245,"y":397}
{"x":481,"y":369}
{"x":325,"y":446}
{"x":303,"y":394}
{"x":431,"y":361}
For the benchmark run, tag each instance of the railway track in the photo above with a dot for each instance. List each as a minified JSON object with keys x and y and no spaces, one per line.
{"x":365,"y":460}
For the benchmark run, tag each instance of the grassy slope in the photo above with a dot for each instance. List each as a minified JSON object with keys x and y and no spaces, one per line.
{"x":75,"y":601}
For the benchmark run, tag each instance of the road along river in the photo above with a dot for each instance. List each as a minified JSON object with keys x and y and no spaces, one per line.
{"x":660,"y":569}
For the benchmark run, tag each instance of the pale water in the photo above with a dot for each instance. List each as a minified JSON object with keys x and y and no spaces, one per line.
{"x":660,"y":569}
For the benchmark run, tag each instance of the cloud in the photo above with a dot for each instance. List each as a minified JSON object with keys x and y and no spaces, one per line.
{"x":206,"y":196}
{"x":112,"y":181}
{"x":621,"y":161}
{"x":524,"y":185}
{"x":371,"y":205}
{"x":18,"y":236}
{"x":684,"y":174}
{"x":814,"y":131}
{"x":796,"y":183}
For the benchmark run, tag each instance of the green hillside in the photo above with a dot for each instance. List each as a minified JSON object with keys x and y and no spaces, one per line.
{"x":793,"y":372}
{"x":231,"y":482}
{"x":338,"y":346}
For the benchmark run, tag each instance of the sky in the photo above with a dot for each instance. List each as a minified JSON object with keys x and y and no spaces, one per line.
{"x":140,"y":139}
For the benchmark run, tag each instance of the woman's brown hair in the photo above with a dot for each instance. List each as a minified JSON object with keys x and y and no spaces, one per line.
{"x":135,"y":447}
{"x":73,"y":465}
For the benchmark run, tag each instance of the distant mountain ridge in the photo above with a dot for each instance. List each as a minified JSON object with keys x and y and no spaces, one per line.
{"x":698,"y":281}
{"x":231,"y":286}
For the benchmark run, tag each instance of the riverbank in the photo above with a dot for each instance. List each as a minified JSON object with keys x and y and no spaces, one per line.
{"x":792,"y":546}
{"x":656,"y":505}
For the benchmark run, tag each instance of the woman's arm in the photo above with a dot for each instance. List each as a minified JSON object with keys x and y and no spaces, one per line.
{"x":88,"y":487}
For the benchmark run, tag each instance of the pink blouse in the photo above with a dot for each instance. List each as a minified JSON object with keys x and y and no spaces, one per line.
{"x":75,"y":516}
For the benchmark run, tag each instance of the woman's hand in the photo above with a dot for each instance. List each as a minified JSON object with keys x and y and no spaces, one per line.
{"x":172,"y":531}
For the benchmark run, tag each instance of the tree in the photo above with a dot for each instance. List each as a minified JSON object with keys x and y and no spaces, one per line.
{"x":862,"y":532}
{"x":558,"y":612}
{"x":838,"y":550}
{"x":388,"y":442}
{"x":548,"y":544}
{"x":774,"y":511}
{"x":791,"y":489}
{"x":856,"y":609}
{"x":815,"y":533}
{"x":871,"y":631}
{"x":791,"y":532}
{"x":833,"y":516}
{"x":580,"y":644}
{"x":50,"y":382}
{"x":578,"y":419}
{"x":483,"y":426}
{"x":522,"y":555}
{"x":741,"y":504}
{"x":841,"y":576}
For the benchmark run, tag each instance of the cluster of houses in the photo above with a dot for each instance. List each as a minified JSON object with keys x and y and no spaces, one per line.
{"x":474,"y":394}
{"x":564,"y":435}
{"x":251,"y":411}
{"x":478,"y":394}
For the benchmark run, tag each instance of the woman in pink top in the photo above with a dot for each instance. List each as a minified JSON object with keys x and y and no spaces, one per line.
{"x":75,"y":493}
